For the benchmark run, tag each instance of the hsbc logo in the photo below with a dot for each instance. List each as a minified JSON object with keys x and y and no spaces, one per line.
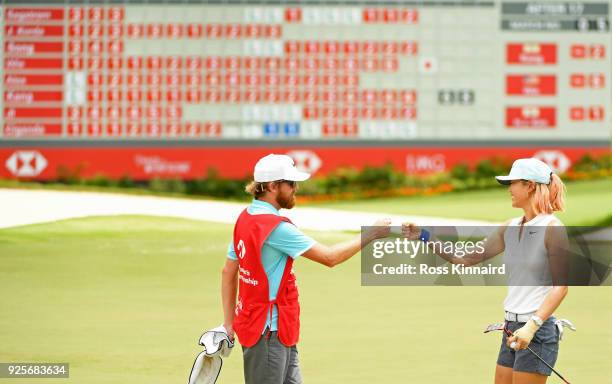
{"x":241,"y":249}
{"x":26,"y":163}
{"x":556,"y":160}
{"x":306,"y":161}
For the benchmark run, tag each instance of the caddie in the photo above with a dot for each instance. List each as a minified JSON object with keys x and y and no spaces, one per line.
{"x":259,"y":273}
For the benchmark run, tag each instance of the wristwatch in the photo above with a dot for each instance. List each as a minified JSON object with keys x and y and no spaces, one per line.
{"x":536,"y":319}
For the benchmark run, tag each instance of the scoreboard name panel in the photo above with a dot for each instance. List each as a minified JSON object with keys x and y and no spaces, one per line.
{"x":356,"y":71}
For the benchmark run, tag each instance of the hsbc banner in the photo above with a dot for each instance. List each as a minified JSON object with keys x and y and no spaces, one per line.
{"x":238,"y":162}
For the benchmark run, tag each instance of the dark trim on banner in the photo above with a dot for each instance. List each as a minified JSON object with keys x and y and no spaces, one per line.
{"x":194,"y":143}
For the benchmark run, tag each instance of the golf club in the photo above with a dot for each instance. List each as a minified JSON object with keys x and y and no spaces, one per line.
{"x":502,"y":327}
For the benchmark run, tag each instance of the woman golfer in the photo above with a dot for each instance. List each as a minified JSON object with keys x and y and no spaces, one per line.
{"x":533,"y":247}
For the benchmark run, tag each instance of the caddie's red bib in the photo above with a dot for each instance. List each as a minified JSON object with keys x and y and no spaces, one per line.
{"x":254,"y":305}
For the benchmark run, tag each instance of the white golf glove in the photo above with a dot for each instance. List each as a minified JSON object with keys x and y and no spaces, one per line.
{"x":523,"y":335}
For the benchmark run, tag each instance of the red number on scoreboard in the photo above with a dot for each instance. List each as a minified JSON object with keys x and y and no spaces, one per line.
{"x":233,"y":31}
{"x":114,"y":112}
{"x":133,"y":112}
{"x":75,"y":47}
{"x":75,"y":113}
{"x":293,"y":15}
{"x":597,"y":51}
{"x":596,"y":113}
{"x":173,"y":80}
{"x":75,"y":30}
{"x":154,"y":62}
{"x":75,"y":63}
{"x":576,"y":113}
{"x":213,"y":30}
{"x":94,"y":112}
{"x":95,"y":48}
{"x":134,"y":95}
{"x":154,"y":95}
{"x":95,"y":31}
{"x":115,"y":31}
{"x":135,"y":30}
{"x":134,"y":62}
{"x":391,"y":15}
{"x":94,"y":95}
{"x":155,"y":30}
{"x":193,"y":95}
{"x":193,"y":129}
{"x":597,"y":80}
{"x":194,"y":30}
{"x":115,"y":128}
{"x":409,"y":15}
{"x":114,"y":79}
{"x":577,"y":80}
{"x":114,"y":95}
{"x":96,"y":14}
{"x":370,"y":15}
{"x":174,"y":30}
{"x":193,"y":63}
{"x":134,"y":129}
{"x":76,"y":14}
{"x":115,"y":47}
{"x":116,"y":13}
{"x":75,"y":129}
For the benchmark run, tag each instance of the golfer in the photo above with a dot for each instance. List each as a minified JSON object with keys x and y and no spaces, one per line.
{"x":266,"y":317}
{"x":533,"y":245}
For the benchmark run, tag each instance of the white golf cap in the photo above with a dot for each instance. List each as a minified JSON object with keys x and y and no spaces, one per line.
{"x":527,"y":169}
{"x":277,"y":167}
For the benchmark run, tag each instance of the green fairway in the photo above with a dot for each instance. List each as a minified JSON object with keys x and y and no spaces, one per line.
{"x":588,"y":203}
{"x":125,"y":299}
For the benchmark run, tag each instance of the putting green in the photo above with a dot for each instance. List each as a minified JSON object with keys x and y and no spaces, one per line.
{"x":125,"y":299}
{"x":588,"y":203}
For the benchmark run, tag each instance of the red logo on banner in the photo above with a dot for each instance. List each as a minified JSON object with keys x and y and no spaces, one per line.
{"x":531,"y":85}
{"x":531,"y":53}
{"x":531,"y":117}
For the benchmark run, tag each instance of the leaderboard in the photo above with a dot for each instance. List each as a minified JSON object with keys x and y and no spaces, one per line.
{"x":427,"y":70}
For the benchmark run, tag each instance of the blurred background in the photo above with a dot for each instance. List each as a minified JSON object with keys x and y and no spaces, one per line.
{"x":402,"y":107}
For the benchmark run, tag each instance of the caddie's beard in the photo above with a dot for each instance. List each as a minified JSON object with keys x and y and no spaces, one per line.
{"x":286,"y":201}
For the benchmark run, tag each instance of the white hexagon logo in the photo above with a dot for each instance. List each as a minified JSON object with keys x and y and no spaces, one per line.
{"x":306,"y":161}
{"x":26,"y":163}
{"x":556,"y":160}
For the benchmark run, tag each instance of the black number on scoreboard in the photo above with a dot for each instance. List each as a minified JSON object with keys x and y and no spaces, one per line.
{"x":460,"y":96}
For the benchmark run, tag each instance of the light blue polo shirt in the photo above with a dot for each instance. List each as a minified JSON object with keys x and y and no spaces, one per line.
{"x":285,"y":240}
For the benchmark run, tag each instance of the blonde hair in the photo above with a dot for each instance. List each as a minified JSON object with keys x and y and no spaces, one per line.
{"x":549,"y":198}
{"x":256,"y":189}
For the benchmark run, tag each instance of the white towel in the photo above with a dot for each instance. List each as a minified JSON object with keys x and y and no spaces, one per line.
{"x":208,"y":363}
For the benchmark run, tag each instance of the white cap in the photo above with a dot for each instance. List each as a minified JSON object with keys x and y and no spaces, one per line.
{"x":527,"y":169}
{"x":277,"y":167}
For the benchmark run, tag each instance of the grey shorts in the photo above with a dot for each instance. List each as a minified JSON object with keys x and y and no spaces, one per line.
{"x":270,"y":362}
{"x":545,"y":343}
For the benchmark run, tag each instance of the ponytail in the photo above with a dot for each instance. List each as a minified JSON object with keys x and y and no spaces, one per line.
{"x":549,"y":198}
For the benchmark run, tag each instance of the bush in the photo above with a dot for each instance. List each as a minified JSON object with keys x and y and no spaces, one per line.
{"x":214,"y":185}
{"x":167,"y":185}
{"x":99,"y":181}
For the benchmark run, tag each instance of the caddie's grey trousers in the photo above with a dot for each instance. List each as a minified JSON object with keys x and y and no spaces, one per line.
{"x":270,"y":362}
